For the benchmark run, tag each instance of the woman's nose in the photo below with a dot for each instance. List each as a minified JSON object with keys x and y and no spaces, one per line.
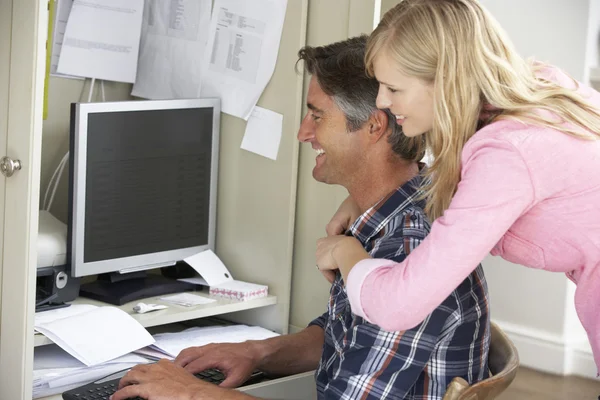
{"x":383,"y":100}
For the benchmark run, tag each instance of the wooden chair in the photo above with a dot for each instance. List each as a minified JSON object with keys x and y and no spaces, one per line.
{"x":503,"y":361}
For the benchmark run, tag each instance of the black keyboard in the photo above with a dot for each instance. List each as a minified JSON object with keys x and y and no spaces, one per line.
{"x":103,"y":388}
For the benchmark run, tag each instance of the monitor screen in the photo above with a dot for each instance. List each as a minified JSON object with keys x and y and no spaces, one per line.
{"x":143,"y":183}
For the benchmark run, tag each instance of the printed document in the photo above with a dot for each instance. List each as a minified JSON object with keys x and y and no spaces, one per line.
{"x":241,"y":52}
{"x":61,"y":15}
{"x":174,"y":36}
{"x":102,"y":39}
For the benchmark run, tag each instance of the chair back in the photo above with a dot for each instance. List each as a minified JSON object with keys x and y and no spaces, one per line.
{"x":503,"y":361}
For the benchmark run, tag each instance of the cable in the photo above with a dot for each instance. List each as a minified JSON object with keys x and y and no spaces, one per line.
{"x":62,"y":167}
{"x":55,"y":175}
{"x":91,"y":90}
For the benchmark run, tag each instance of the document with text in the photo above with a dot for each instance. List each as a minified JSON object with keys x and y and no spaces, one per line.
{"x":242,"y":52}
{"x":102,"y":39}
{"x":174,"y":36}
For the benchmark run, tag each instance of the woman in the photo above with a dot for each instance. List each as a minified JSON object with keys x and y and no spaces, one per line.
{"x":516,"y":167}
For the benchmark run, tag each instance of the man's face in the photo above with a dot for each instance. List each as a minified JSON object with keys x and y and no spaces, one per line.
{"x":324,"y":127}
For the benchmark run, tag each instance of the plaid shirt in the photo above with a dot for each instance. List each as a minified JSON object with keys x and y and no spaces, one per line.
{"x":362,"y":361}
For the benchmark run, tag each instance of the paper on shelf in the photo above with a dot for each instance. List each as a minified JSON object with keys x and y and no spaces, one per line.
{"x":97,"y":336}
{"x":174,"y":35}
{"x":59,"y":313}
{"x":210,"y":267}
{"x":102,"y":39}
{"x":187,"y":299}
{"x":55,"y":371}
{"x":263,"y":133}
{"x":172,"y":343}
{"x":241,"y":53}
{"x":239,"y":290}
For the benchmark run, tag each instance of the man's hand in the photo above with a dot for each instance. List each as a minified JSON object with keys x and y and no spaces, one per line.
{"x":345,"y":215}
{"x":236,"y":361}
{"x":164,"y":381}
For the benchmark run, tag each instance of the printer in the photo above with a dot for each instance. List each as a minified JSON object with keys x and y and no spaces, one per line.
{"x":54,"y":283}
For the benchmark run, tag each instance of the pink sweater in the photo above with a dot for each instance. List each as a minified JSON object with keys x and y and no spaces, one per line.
{"x":528,"y":194}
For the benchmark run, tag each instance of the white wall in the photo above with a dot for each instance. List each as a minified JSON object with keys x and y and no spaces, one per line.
{"x":536,"y":307}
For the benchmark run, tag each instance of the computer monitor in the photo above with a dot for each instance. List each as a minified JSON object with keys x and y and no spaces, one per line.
{"x":143,"y":192}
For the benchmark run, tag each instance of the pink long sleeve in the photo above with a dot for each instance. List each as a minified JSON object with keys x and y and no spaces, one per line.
{"x":495,"y":190}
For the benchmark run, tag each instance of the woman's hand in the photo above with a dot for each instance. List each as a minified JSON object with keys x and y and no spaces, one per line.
{"x":345,"y":215}
{"x":339,"y":252}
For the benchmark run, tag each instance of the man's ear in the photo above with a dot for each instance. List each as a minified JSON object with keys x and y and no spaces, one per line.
{"x":378,"y":125}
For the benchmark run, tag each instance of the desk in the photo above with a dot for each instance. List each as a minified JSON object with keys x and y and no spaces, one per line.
{"x":176,"y":313}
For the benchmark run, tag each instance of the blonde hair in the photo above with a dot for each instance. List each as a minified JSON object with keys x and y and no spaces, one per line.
{"x":459,"y":48}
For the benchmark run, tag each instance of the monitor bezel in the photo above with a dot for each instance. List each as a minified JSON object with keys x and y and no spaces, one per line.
{"x":81,"y":268}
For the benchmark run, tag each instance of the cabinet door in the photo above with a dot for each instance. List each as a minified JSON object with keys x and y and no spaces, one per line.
{"x":23,"y":32}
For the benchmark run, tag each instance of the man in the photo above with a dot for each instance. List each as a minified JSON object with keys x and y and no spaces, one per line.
{"x":364,"y":150}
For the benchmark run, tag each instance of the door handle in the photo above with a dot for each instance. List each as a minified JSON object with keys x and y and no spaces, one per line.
{"x":8,"y":166}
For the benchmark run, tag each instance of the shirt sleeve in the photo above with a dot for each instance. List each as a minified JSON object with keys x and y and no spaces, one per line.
{"x":390,"y":368}
{"x":495,"y":189}
{"x":320,"y":321}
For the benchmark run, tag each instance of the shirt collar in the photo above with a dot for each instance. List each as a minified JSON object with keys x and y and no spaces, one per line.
{"x":372,"y":221}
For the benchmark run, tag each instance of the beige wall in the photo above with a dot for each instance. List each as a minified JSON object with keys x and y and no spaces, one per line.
{"x":316,"y":201}
{"x":256,"y":195}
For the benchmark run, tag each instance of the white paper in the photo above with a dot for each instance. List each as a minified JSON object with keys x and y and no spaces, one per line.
{"x":242,"y":51}
{"x":59,"y":313}
{"x":241,"y":286}
{"x":97,"y":336}
{"x":61,"y":15}
{"x":198,"y":280}
{"x":173,"y":343}
{"x":174,"y":36}
{"x":263,"y":133}
{"x":102,"y":40}
{"x":55,"y":371}
{"x":210,"y":267}
{"x":187,"y":299}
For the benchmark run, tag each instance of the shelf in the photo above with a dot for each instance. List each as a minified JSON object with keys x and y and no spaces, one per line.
{"x":175,"y":313}
{"x":595,"y":77}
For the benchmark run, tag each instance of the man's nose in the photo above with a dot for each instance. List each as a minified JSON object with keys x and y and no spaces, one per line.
{"x":383,"y":100}
{"x":307,"y":131}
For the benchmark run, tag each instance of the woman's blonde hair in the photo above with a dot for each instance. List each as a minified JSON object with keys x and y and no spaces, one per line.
{"x":459,"y":48}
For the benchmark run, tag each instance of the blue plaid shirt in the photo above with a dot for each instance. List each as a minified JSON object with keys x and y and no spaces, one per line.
{"x":362,"y":361}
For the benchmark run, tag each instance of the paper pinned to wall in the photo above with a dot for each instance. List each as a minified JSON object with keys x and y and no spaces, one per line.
{"x":102,"y":40}
{"x":174,"y":36}
{"x":241,"y":53}
{"x":62,"y":9}
{"x":263,"y":132}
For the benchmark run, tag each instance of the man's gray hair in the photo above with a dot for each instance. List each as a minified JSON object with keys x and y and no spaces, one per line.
{"x":340,"y":71}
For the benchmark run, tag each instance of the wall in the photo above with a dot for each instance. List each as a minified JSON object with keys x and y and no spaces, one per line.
{"x":535,"y":307}
{"x":256,"y":195}
{"x":317,"y":202}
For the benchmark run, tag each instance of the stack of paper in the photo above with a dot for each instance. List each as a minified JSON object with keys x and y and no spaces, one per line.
{"x":93,"y":335}
{"x":55,"y":371}
{"x":169,"y":345}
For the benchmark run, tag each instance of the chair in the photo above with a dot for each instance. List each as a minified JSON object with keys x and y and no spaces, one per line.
{"x":503,"y":362}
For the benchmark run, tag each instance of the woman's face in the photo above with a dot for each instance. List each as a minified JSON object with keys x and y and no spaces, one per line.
{"x":409,"y":99}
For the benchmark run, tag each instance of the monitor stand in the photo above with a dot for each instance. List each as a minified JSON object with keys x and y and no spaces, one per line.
{"x":118,"y":289}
